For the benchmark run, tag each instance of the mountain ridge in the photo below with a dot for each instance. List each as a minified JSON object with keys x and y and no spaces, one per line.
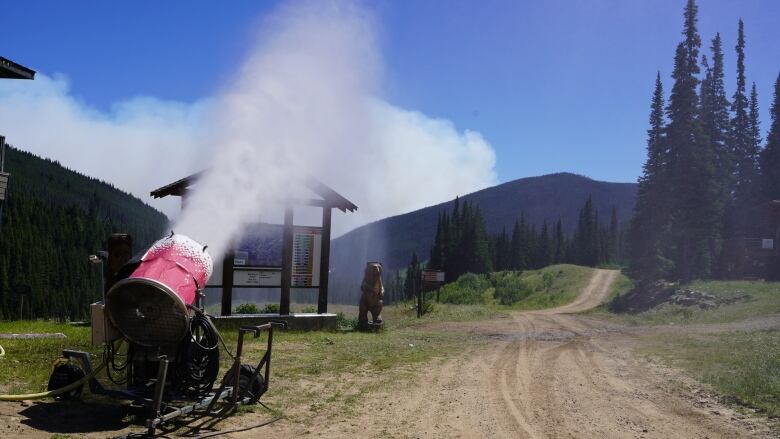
{"x":546,"y":197}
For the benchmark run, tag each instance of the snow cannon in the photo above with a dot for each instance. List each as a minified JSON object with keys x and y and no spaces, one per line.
{"x":151,"y":306}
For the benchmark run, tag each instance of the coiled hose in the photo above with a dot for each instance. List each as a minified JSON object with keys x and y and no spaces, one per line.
{"x":55,"y":392}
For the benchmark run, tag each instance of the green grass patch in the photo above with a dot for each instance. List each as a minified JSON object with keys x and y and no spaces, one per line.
{"x":548,"y":287}
{"x":27,"y":362}
{"x":744,"y":367}
{"x":554,"y":286}
{"x":739,"y":300}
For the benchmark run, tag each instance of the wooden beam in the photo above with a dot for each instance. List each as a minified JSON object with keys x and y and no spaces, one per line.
{"x":322,"y":300}
{"x":287,"y":255}
{"x":227,"y":283}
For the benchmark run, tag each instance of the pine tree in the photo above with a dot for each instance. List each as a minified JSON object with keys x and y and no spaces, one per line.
{"x":614,"y":238}
{"x":754,"y":123}
{"x":715,"y":121}
{"x":586,"y":236}
{"x":694,"y":234}
{"x":516,"y":251}
{"x":770,"y":155}
{"x":646,"y":230}
{"x":544,"y":250}
{"x":437,"y":251}
{"x":413,"y":274}
{"x":560,"y":243}
{"x":742,"y":146}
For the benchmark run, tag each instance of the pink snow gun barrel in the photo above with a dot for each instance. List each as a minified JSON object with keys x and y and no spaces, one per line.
{"x":150,"y":307}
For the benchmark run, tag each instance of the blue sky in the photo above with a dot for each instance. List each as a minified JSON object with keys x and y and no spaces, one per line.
{"x":553,"y":85}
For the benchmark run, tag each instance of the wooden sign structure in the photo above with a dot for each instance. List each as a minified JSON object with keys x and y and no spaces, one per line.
{"x":429,"y":280}
{"x":305,"y":251}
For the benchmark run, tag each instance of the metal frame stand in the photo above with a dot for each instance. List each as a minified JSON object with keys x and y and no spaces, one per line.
{"x":160,"y":411}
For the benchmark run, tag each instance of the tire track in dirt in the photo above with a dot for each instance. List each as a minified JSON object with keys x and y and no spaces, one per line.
{"x":547,"y":373}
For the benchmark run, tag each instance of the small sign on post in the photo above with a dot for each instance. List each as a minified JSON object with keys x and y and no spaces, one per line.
{"x":431,"y":280}
{"x":433,"y":277}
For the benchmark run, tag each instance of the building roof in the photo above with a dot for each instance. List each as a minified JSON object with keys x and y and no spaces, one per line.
{"x":329,"y":197}
{"x":12,"y":70}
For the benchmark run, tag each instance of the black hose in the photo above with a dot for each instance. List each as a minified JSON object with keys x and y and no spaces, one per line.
{"x":197,"y":362}
{"x":109,"y":358}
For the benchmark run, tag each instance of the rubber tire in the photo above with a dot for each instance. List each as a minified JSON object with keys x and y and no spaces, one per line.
{"x":256,"y":388}
{"x":65,"y":374}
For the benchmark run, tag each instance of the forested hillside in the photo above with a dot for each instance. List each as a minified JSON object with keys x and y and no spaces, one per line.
{"x":54,"y":218}
{"x":536,"y":199}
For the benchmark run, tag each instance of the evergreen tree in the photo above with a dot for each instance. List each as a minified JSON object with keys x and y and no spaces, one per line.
{"x":437,"y":251}
{"x":501,"y":249}
{"x":716,"y":123}
{"x":586,"y":236}
{"x":742,"y":146}
{"x":647,"y":227}
{"x":770,"y":156}
{"x":475,"y":243}
{"x":754,"y":123}
{"x":614,"y":237}
{"x":516,"y":252}
{"x":545,"y":249}
{"x":560,"y":243}
{"x":413,"y":277}
{"x":694,"y":229}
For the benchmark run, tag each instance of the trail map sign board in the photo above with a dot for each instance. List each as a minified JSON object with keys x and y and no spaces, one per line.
{"x":307,"y":246}
{"x":4,"y":176}
{"x":257,"y":260}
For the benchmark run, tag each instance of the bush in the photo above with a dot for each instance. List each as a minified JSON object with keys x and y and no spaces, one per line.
{"x":310,"y":309}
{"x":511,"y":289}
{"x":467,"y":290}
{"x":246,"y":308}
{"x":343,"y":322}
{"x":547,"y":279}
{"x":270,"y":308}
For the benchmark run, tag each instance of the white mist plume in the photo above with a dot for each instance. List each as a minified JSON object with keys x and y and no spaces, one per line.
{"x":300,"y":106}
{"x":305,"y":101}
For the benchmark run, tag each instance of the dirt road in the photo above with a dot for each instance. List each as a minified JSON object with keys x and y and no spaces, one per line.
{"x":540,"y":374}
{"x":544,"y":374}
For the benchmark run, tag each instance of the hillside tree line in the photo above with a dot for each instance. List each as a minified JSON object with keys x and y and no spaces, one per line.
{"x":53,"y":220}
{"x":462,"y":245}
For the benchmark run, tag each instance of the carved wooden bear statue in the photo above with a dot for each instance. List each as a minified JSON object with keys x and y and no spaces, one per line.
{"x":372,"y":294}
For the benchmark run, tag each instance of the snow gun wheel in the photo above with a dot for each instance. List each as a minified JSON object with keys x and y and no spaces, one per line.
{"x":247,"y":387}
{"x":63,"y":375}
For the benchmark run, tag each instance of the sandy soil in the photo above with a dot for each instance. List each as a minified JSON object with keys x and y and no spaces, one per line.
{"x":540,"y":374}
{"x":544,"y":374}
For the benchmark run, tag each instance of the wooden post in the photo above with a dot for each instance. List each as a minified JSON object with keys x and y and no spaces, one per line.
{"x":287,"y":255}
{"x":322,"y":301}
{"x":227,"y":283}
{"x":418,"y":289}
